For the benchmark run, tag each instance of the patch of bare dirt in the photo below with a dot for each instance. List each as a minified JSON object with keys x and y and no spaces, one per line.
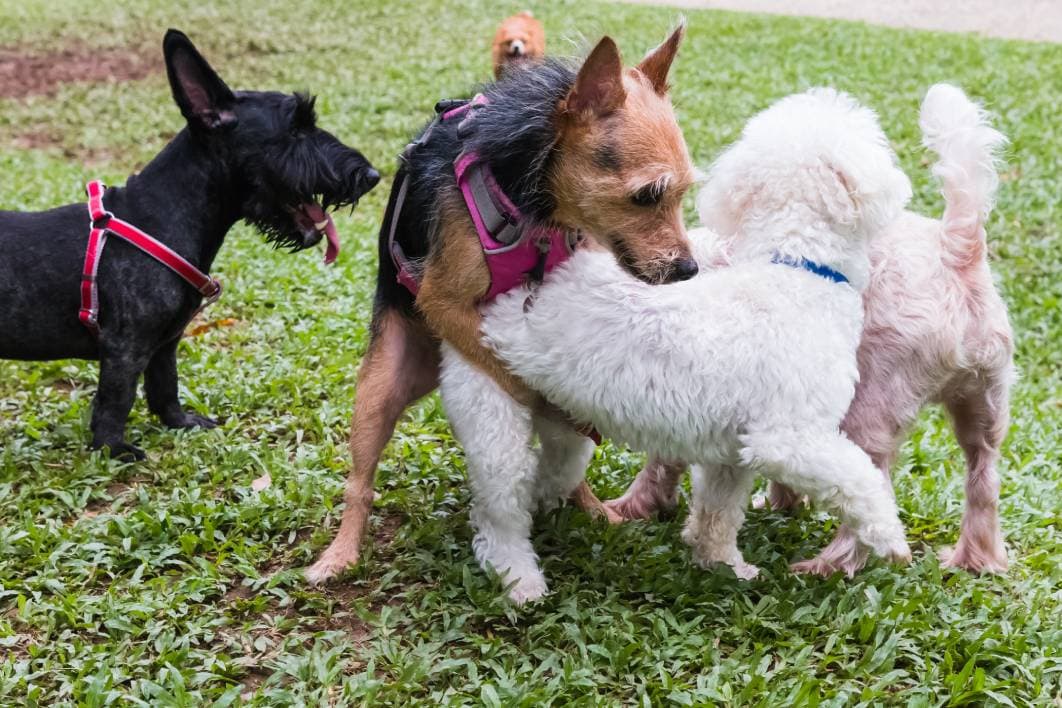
{"x":98,"y":506}
{"x":28,"y":72}
{"x":36,"y":140}
{"x":254,"y":678}
{"x":17,"y":646}
{"x":209,"y":325}
{"x":50,"y":141}
{"x":65,"y":385}
{"x":237,"y":592}
{"x":388,"y":527}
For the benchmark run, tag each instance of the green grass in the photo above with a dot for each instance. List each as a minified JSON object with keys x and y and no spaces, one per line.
{"x":171,"y":582}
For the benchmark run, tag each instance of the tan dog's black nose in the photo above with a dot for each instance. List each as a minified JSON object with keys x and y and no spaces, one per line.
{"x":684,"y":270}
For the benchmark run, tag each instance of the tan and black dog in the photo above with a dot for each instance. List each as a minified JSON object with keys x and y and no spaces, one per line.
{"x":594,"y":150}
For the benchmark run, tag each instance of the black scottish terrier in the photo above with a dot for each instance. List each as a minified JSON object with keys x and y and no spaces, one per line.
{"x":256,"y":156}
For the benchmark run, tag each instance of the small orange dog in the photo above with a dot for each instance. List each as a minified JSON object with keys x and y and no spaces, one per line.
{"x":519,"y":38}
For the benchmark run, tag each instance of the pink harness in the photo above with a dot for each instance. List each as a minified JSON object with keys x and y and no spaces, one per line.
{"x":514,"y":251}
{"x":104,"y":223}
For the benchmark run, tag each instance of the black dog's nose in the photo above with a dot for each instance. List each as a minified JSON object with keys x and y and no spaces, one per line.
{"x":684,"y":270}
{"x":370,"y":177}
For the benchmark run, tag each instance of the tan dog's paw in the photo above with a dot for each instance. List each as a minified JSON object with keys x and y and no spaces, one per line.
{"x":328,"y":566}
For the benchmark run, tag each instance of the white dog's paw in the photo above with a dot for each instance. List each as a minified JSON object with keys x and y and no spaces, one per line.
{"x":712,"y":561}
{"x":887,"y":541}
{"x":691,"y":534}
{"x":530,"y":586}
{"x":547,"y":501}
{"x":745,"y":571}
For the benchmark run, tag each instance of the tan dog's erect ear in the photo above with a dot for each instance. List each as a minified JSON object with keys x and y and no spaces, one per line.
{"x":657,"y":62}
{"x":598,"y":88}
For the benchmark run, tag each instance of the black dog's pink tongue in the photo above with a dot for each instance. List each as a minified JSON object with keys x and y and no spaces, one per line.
{"x":332,"y":250}
{"x":321,"y":217}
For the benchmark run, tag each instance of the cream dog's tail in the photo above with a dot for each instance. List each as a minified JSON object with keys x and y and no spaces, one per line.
{"x":957,"y":129}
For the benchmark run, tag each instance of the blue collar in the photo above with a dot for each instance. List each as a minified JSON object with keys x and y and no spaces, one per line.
{"x":811,"y":267}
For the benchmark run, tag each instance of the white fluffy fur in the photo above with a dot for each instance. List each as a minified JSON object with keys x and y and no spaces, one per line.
{"x":935,"y":330}
{"x":744,"y":370}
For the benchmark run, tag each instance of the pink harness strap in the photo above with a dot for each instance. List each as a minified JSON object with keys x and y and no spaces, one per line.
{"x":535,"y":247}
{"x":103,"y":223}
{"x":406,"y":273}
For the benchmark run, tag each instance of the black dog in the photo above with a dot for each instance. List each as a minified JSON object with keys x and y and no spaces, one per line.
{"x":249,"y":155}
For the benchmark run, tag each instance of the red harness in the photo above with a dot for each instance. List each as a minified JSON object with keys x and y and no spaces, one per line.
{"x":104,"y":223}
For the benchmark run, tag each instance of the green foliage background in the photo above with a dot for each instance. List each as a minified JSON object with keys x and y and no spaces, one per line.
{"x":172,"y":583}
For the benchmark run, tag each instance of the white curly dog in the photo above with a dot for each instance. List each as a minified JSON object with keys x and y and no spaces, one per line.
{"x":744,"y":370}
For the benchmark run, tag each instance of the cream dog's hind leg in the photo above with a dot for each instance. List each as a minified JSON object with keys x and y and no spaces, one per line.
{"x":717,"y":511}
{"x":564,"y":457}
{"x":835,"y":472}
{"x":496,"y":433}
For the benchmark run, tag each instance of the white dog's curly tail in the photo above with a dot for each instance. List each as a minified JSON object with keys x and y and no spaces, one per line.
{"x":957,"y":129}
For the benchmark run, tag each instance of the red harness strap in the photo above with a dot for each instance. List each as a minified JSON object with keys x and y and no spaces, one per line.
{"x":103,"y":223}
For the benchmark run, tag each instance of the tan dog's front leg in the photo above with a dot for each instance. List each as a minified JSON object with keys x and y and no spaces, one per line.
{"x":584,"y":498}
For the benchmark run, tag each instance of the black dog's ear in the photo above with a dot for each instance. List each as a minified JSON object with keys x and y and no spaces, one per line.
{"x":204,"y":99}
{"x":305,"y":116}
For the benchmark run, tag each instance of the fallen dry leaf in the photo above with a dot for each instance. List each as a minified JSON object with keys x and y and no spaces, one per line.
{"x":262,"y":482}
{"x":207,"y":326}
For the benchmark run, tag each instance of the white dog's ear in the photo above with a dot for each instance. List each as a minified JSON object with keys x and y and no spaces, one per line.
{"x":838,"y":192}
{"x":865,"y":199}
{"x":720,"y":206}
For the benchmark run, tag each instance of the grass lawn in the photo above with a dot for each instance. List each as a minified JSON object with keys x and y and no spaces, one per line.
{"x":172,"y":582}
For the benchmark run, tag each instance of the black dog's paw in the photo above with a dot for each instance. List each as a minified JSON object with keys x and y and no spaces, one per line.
{"x":122,"y":451}
{"x":190,"y":420}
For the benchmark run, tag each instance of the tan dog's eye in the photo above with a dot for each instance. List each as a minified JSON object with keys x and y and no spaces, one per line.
{"x":649,"y":195}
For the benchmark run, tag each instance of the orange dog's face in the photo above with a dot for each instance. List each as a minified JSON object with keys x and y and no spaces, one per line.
{"x":519,"y":38}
